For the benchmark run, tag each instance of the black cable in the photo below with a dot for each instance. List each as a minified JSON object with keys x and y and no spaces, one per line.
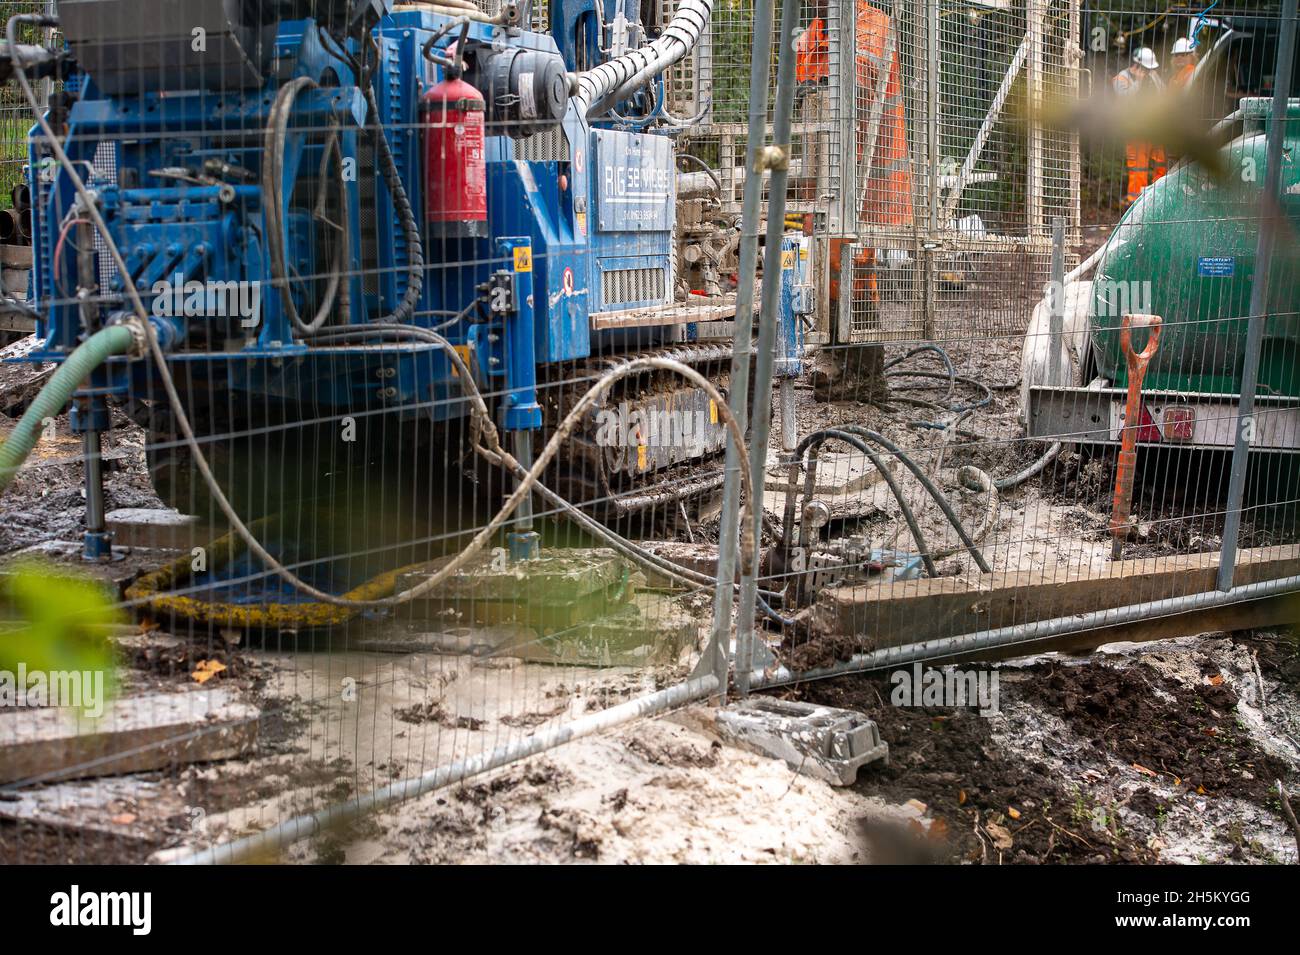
{"x":709,"y":170}
{"x":935,"y":349}
{"x":986,"y":399}
{"x":818,"y":437}
{"x":414,"y":241}
{"x":939,"y":497}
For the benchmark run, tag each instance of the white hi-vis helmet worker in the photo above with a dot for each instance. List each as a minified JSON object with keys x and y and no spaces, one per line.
{"x":1145,"y":58}
{"x":1182,"y":45}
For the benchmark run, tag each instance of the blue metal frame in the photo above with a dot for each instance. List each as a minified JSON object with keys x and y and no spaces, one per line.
{"x":180,"y":234}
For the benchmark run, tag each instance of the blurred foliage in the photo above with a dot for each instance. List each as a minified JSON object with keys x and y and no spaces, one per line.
{"x":56,"y":621}
{"x":732,"y":36}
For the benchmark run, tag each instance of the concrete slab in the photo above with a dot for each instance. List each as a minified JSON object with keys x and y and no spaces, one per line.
{"x":821,"y":741}
{"x":158,"y":527}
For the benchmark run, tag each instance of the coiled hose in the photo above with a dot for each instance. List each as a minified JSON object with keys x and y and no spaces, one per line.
{"x":50,"y":400}
{"x":619,"y":77}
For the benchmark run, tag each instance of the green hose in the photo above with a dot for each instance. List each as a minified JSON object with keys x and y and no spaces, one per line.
{"x":97,"y":349}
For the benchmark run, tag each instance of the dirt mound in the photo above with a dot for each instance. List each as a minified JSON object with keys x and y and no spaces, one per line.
{"x":1136,"y":716}
{"x":988,"y":806}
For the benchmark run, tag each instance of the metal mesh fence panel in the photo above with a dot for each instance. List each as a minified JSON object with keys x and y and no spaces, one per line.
{"x":383,"y":297}
{"x":373,"y":380}
{"x":1023,"y":462}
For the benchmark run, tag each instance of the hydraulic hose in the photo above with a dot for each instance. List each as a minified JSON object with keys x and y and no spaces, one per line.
{"x":49,"y":401}
{"x":273,"y":150}
{"x":402,"y":203}
{"x":1020,"y":477}
{"x":855,"y":440}
{"x":628,"y":548}
{"x":617,"y":78}
{"x":939,"y":497}
{"x":922,"y":349}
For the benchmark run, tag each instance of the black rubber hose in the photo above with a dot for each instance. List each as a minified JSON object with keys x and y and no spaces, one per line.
{"x":909,"y":516}
{"x":939,"y":497}
{"x":273,"y":149}
{"x":922,"y":349}
{"x":960,"y":379}
{"x":402,"y":203}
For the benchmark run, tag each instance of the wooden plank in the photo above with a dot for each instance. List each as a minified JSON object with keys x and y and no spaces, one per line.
{"x":892,"y":613}
{"x":133,"y":735}
{"x":1253,"y":615}
{"x":675,"y":314}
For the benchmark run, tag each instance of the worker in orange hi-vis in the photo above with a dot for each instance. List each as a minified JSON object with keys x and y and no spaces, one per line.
{"x":848,"y":370}
{"x":1145,"y":161}
{"x":1184,"y":55}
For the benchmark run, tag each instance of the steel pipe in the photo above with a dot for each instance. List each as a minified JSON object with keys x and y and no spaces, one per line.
{"x":1026,"y":633}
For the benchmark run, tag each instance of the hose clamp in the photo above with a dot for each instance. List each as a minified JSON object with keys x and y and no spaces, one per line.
{"x":139,"y":332}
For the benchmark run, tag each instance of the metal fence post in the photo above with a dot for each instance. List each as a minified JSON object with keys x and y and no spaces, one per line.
{"x":758,"y":442}
{"x":1269,"y":214}
{"x":930,"y":246}
{"x":715,"y":658}
{"x":1057,"y":300}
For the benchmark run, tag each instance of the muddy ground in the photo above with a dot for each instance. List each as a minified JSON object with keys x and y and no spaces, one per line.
{"x":1160,"y":753}
{"x":1163,"y":753}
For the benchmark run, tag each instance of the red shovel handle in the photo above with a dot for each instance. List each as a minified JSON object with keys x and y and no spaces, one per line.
{"x":1138,"y":361}
{"x":1126,"y":466}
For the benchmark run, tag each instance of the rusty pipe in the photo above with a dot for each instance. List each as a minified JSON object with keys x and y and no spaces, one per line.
{"x":1121,"y":509}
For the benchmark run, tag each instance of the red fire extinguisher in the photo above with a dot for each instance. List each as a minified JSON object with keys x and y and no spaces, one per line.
{"x":455,"y":167}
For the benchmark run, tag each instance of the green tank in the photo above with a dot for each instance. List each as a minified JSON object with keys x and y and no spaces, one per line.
{"x":1186,"y":251}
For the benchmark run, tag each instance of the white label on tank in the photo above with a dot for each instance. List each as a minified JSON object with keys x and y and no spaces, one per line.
{"x":527,"y":104}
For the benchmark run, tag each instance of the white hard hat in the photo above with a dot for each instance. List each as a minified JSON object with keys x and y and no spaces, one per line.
{"x":1145,"y":58}
{"x":1183,"y":45}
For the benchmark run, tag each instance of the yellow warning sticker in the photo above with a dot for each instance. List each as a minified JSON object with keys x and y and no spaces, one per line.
{"x":524,"y":259}
{"x":713,"y":411}
{"x":641,"y":457}
{"x":582,"y":222}
{"x":787,"y":258}
{"x":463,"y":351}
